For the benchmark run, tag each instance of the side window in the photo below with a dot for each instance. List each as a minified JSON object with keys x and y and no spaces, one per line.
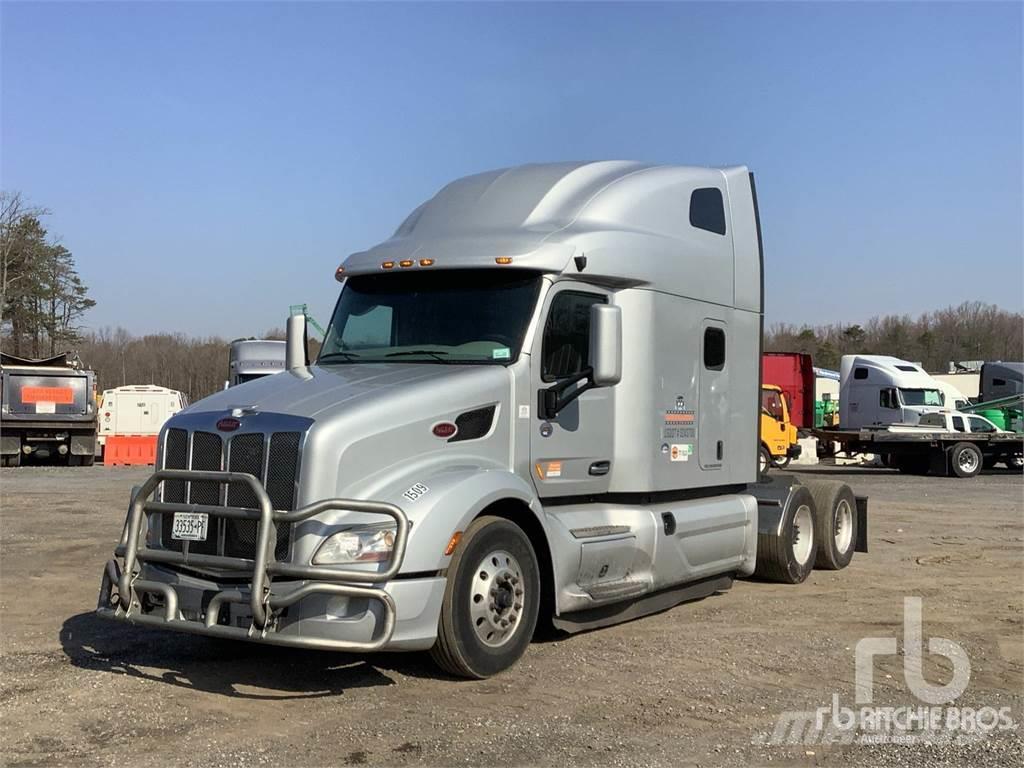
{"x":887,"y":398}
{"x":860,"y":373}
{"x":958,"y":424}
{"x":707,"y":211}
{"x":980,"y":425}
{"x":566,"y":346}
{"x":714,"y":349}
{"x":998,"y":382}
{"x":368,"y":330}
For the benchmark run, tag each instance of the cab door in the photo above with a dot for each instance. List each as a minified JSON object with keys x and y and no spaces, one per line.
{"x":571,"y":453}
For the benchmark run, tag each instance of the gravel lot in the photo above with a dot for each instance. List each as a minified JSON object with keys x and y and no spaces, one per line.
{"x":701,"y":684}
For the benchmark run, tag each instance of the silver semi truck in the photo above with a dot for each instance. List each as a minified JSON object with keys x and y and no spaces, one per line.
{"x":538,"y":401}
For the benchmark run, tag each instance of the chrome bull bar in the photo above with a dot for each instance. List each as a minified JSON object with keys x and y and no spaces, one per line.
{"x":262,"y":602}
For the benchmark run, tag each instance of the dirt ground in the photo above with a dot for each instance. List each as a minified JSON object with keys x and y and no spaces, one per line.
{"x":701,"y":684}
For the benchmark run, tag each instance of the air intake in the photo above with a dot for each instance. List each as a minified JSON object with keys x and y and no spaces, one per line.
{"x":473,"y":424}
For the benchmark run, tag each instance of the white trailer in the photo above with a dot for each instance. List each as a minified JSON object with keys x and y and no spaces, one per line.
{"x":137,"y":410}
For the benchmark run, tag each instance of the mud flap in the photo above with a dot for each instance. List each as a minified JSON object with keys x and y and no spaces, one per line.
{"x":862,"y":524}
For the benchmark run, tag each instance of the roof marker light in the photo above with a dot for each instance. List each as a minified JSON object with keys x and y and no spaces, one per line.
{"x":503,"y":260}
{"x":339,"y":274}
{"x":405,"y":263}
{"x":387,"y":264}
{"x":426,"y":262}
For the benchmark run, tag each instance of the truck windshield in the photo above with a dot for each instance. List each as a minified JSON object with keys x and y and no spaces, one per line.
{"x":444,"y":317}
{"x":921,"y":396}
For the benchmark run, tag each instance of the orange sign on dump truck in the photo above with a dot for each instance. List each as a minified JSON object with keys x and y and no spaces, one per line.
{"x":58,"y":395}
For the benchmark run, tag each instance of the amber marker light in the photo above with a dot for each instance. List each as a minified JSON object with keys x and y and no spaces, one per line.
{"x":339,"y":274}
{"x":453,"y":542}
{"x":405,"y":263}
{"x":387,"y":265}
{"x":426,"y":262}
{"x":503,"y":260}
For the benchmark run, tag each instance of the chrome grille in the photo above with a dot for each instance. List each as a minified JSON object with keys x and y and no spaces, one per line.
{"x":272,"y":458}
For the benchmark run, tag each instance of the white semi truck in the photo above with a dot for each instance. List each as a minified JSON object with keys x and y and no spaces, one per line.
{"x":537,"y":401}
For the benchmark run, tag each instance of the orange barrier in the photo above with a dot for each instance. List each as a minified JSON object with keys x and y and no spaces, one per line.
{"x":127,"y":450}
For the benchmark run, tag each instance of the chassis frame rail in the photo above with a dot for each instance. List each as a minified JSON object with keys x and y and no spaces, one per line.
{"x":262,"y":602}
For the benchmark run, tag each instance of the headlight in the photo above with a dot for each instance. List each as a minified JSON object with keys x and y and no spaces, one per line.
{"x":366,"y":544}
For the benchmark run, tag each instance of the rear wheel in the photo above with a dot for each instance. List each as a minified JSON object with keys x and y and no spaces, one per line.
{"x":835,"y":521}
{"x":965,"y":459}
{"x":491,"y":600}
{"x":789,"y":557}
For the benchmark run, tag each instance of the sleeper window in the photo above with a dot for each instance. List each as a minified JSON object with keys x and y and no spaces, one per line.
{"x":714,"y":349}
{"x":565,"y":350}
{"x":707,"y":210}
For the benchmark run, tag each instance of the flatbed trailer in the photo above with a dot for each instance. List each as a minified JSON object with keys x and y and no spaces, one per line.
{"x":921,"y":451}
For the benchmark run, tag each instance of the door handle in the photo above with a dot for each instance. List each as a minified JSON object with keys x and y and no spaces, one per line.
{"x":720,"y":449}
{"x":599,"y":468}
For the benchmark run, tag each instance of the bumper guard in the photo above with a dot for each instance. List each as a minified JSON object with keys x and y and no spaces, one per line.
{"x":121,"y":590}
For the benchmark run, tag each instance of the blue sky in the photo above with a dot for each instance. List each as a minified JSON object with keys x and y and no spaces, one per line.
{"x":210,"y":164}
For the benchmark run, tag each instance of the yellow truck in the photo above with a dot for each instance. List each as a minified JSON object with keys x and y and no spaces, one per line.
{"x":778,"y":435}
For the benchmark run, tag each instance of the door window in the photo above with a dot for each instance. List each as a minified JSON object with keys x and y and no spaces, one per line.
{"x":979,"y":424}
{"x":565,"y":350}
{"x":958,"y":424}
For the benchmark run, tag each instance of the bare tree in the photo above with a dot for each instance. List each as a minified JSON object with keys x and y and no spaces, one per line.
{"x":14,"y":213}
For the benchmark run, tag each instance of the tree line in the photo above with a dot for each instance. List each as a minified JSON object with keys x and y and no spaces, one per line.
{"x":971,"y":331}
{"x":42,"y":298}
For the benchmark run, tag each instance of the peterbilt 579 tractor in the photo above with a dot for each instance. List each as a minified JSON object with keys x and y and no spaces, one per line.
{"x":538,"y":401}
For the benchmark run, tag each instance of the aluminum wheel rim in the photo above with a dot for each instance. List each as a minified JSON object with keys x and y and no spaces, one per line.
{"x":967,"y":460}
{"x":762,"y":463}
{"x":803,"y":534}
{"x":496,"y":599}
{"x":843,"y":526}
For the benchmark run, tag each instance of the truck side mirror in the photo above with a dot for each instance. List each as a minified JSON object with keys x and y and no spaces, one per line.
{"x":605,"y":345}
{"x":605,"y":368}
{"x":296,"y":354}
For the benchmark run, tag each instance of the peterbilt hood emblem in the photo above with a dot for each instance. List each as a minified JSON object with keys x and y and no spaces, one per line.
{"x":228,"y":424}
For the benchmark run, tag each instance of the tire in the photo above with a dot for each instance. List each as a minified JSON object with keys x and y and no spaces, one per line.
{"x":789,"y":557}
{"x":494,"y":564}
{"x":781,"y":462}
{"x":835,"y":520}
{"x":965,"y":460}
{"x":764,"y":461}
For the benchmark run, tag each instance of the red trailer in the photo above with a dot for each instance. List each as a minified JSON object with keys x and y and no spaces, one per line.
{"x":792,"y":372}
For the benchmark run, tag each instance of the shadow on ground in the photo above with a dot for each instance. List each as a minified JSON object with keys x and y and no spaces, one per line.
{"x":229,"y":668}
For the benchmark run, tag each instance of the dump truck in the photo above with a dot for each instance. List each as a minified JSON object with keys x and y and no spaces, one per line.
{"x":537,"y":403}
{"x":47,"y":409}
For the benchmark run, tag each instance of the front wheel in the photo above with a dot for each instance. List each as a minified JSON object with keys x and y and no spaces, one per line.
{"x":764,"y":460}
{"x":781,"y":462}
{"x":491,"y":600}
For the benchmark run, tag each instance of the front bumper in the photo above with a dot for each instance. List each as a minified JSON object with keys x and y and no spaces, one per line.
{"x":286,"y":612}
{"x":794,"y":451}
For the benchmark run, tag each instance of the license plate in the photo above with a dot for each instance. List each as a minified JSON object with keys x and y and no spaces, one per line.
{"x":190,"y":526}
{"x":43,"y":407}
